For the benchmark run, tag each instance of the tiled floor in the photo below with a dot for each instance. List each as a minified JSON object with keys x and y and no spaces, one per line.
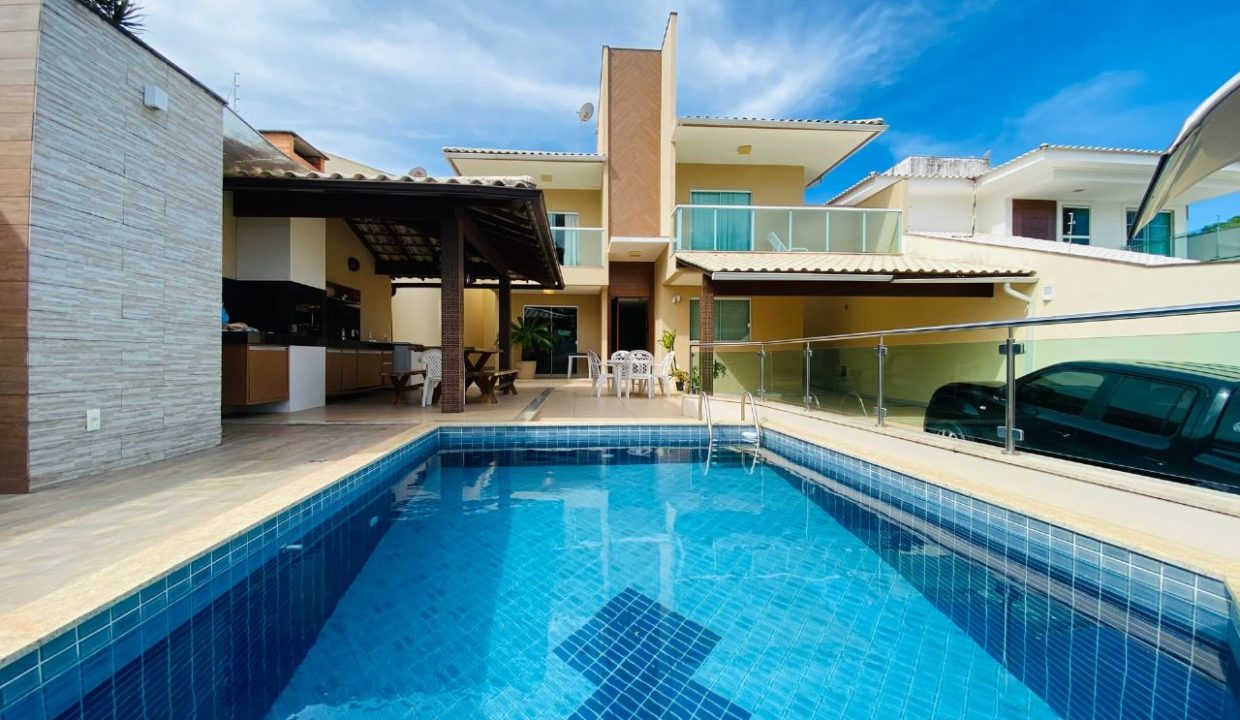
{"x":58,"y":537}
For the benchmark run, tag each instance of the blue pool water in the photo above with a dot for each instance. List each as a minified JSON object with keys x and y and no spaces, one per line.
{"x":511,"y":586}
{"x":483,"y":573}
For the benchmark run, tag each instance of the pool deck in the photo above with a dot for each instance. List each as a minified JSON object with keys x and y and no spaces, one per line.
{"x":69,"y":548}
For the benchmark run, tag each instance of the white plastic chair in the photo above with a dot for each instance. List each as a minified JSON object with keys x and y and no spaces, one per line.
{"x":663,"y":373}
{"x":641,"y":368}
{"x":773,"y":240}
{"x":433,"y":359}
{"x":620,"y":370}
{"x":599,"y":374}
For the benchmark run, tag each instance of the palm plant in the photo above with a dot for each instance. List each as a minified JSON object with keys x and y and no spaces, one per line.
{"x":124,"y":14}
{"x":532,"y":336}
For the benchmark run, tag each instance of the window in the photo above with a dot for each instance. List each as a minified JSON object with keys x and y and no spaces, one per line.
{"x":1227,"y":435}
{"x":731,"y":319}
{"x":1076,"y":225}
{"x":720,"y":228}
{"x":1154,"y":238}
{"x":1149,"y":406}
{"x":1064,"y":391}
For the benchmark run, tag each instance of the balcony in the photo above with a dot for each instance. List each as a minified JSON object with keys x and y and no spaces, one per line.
{"x":579,"y":246}
{"x":787,"y":229}
{"x":1217,"y":244}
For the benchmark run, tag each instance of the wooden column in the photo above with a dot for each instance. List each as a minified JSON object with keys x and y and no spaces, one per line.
{"x":452,"y":305}
{"x":505,"y":323}
{"x":706,"y":333}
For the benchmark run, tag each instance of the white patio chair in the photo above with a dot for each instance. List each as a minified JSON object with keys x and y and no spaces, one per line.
{"x":641,"y":369}
{"x":663,"y":373}
{"x":778,"y":245}
{"x":433,"y":360}
{"x":599,"y":374}
{"x":619,"y":370}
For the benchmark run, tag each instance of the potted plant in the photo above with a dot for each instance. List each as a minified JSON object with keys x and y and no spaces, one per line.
{"x":668,"y":341}
{"x":695,"y":379}
{"x":532,"y":337}
{"x":682,"y":378}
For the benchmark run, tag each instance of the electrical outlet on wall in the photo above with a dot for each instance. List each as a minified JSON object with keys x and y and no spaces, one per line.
{"x":93,"y":419}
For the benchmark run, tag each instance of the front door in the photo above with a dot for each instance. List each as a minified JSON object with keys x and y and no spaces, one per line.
{"x":631,"y":325}
{"x":562,"y":321}
{"x":1034,"y":219}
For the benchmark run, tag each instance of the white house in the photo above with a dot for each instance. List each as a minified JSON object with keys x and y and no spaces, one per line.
{"x":1065,"y":193}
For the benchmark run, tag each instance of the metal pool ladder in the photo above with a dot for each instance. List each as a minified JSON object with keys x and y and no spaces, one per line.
{"x":704,"y":412}
{"x":755,"y":435}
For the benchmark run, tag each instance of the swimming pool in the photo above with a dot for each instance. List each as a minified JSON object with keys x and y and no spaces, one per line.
{"x":605,"y":572}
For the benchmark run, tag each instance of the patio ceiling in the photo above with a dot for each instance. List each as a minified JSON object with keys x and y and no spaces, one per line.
{"x":400,"y":220}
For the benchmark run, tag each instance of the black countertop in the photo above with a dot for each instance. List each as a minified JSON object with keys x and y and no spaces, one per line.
{"x":262,"y":338}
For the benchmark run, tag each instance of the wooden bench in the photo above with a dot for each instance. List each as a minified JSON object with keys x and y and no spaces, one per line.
{"x":489,"y":380}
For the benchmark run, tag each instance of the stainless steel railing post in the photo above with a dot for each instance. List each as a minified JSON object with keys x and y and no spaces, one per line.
{"x":1010,"y":351}
{"x":762,"y":372}
{"x":809,"y":398}
{"x":880,"y":408}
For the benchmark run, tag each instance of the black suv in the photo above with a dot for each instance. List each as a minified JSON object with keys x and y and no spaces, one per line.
{"x":1173,"y":420}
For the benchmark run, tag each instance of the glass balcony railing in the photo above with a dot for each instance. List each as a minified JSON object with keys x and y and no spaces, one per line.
{"x":579,"y":246}
{"x":787,"y":229}
{"x":1217,"y":244}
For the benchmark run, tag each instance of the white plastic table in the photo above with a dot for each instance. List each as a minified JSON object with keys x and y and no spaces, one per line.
{"x":572,"y":361}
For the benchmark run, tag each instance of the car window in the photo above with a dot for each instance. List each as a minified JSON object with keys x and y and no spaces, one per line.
{"x":1150,"y":406}
{"x":1227,"y":434}
{"x":1065,"y":391}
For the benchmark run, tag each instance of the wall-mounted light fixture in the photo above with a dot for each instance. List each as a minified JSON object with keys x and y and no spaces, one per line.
{"x":744,"y":149}
{"x":675,"y":299}
{"x":155,"y":98}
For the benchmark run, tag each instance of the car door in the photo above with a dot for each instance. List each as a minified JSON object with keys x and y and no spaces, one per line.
{"x":1137,"y":425}
{"x":1219,"y":463}
{"x":1051,"y":407}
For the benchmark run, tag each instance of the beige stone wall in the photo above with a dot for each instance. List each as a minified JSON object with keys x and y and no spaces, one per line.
{"x":342,"y":244}
{"x":19,"y":39}
{"x":125,"y":254}
{"x":588,"y":204}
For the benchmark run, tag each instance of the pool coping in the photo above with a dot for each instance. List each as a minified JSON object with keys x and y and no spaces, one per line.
{"x":33,"y":624}
{"x":27,"y":627}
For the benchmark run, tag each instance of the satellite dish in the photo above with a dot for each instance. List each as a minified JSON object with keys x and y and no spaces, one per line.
{"x":585,"y":112}
{"x":418,"y":172}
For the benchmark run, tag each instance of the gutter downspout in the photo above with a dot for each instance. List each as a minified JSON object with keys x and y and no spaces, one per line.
{"x":1031,"y":310}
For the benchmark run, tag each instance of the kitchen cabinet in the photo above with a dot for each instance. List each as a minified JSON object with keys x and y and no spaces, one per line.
{"x":254,"y":374}
{"x":369,"y":366}
{"x":335,"y":370}
{"x":348,"y":372}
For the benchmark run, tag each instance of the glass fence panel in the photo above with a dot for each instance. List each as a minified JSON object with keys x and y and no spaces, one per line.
{"x":1221,"y":244}
{"x":579,"y":247}
{"x":882,"y":232}
{"x":786,"y":229}
{"x":1160,"y":405}
{"x":737,"y":372}
{"x":843,"y":378}
{"x":785,"y":374}
{"x":921,"y":376}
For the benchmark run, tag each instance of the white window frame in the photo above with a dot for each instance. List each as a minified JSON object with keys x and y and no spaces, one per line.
{"x":1134,"y":209}
{"x":1065,"y":238}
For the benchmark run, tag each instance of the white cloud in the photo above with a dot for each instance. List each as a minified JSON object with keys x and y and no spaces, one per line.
{"x":389,"y":83}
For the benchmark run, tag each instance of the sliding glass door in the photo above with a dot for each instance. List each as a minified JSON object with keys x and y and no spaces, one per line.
{"x":720,"y":228}
{"x":562,"y":320}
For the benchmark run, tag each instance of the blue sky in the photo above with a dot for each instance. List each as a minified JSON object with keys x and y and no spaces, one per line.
{"x":389,"y":83}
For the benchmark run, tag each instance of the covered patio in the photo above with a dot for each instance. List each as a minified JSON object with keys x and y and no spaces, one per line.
{"x":834,"y":275}
{"x":450,"y":233}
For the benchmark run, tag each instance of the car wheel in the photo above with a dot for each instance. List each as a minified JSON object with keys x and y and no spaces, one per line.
{"x":950,"y":430}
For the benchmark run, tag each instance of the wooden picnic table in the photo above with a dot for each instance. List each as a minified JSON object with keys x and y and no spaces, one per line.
{"x":400,"y":384}
{"x":477,"y":358}
{"x":488,"y":380}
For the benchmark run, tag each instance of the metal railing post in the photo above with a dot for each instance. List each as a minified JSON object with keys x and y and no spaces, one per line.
{"x":864,"y":215}
{"x":1011,"y":434}
{"x":808,"y":397}
{"x":762,"y":372}
{"x":880,"y":409}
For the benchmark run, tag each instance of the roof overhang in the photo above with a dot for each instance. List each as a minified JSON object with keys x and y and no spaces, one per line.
{"x":834,"y":274}
{"x":552,"y":170}
{"x":1091,"y":174}
{"x":1208,"y":142}
{"x":401,"y":220}
{"x":815,"y":145}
